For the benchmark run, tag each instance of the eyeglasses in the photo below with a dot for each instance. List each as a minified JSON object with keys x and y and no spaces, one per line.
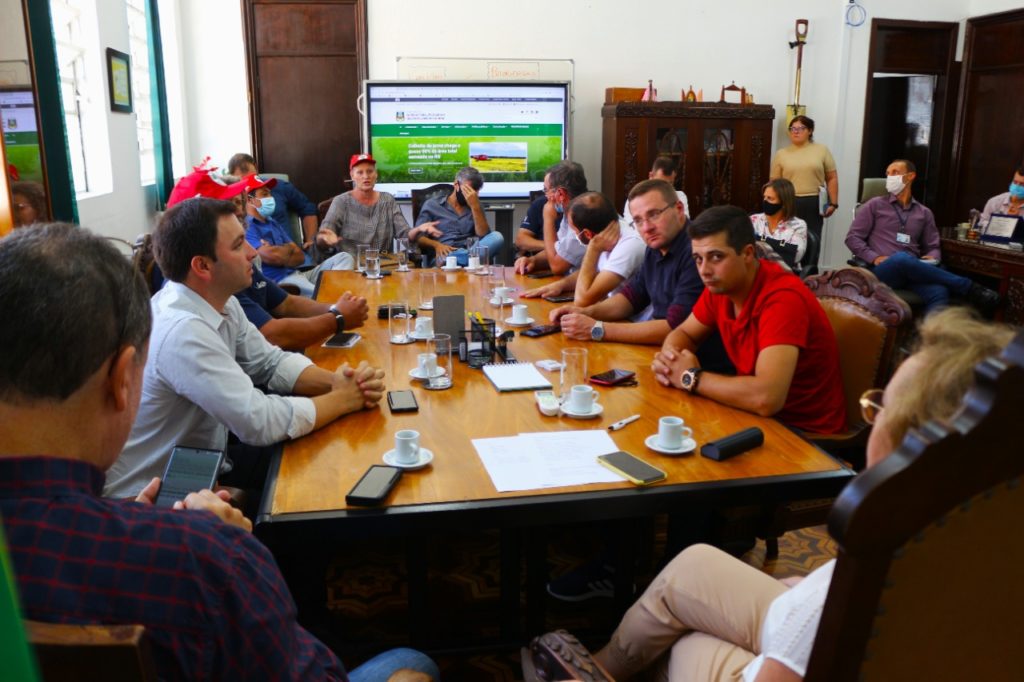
{"x":871,"y":404}
{"x":797,"y":129}
{"x":650,"y":217}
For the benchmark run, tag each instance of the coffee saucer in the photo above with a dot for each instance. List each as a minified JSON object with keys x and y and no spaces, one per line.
{"x":372,"y":277}
{"x":479,"y":271}
{"x":595,"y":411}
{"x":429,"y":305}
{"x":448,"y":269}
{"x":420,"y":337}
{"x":688,"y":445}
{"x":402,"y":268}
{"x":525,"y":323}
{"x":425,"y":458}
{"x":409,"y":338}
{"x":495,"y":301}
{"x":415,"y":373}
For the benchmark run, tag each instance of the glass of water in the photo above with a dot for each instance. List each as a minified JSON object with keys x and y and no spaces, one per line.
{"x":441,"y":347}
{"x":574,"y":370}
{"x":398,"y":322}
{"x":361,"y":257}
{"x":428,"y":288}
{"x":478,"y":260}
{"x":373,"y":263}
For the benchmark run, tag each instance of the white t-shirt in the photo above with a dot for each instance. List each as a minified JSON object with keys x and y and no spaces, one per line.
{"x":682,"y":198}
{"x":625,"y":257}
{"x":567,"y":246}
{"x":792,"y":622}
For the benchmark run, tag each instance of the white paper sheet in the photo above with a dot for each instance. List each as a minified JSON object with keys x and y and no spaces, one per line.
{"x":547,"y":459}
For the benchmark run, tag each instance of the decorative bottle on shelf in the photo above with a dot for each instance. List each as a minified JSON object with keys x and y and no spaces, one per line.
{"x":691,"y":96}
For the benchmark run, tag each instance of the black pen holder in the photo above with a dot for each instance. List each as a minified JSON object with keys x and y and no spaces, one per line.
{"x":478,"y":343}
{"x":732,"y":445}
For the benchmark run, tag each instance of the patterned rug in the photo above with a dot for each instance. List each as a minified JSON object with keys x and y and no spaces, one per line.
{"x":367,"y":593}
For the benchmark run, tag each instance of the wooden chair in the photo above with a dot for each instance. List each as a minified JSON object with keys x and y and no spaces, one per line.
{"x":323,"y":207}
{"x":927,"y":579}
{"x":84,"y":653}
{"x":870,"y":322}
{"x":421,"y":196}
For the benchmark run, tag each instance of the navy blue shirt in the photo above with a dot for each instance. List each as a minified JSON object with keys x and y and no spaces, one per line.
{"x":260,"y":298}
{"x":534,"y":218}
{"x":287,"y":198}
{"x":456,"y":228}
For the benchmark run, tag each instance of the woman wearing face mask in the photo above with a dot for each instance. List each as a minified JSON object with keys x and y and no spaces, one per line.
{"x":808,"y":165}
{"x":1007,"y":203}
{"x":362,"y":215}
{"x":709,"y":616}
{"x":778,"y":222}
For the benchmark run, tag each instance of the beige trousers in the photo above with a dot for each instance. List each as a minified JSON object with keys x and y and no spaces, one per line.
{"x":704,"y":610}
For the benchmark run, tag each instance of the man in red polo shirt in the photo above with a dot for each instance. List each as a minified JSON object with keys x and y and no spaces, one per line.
{"x":773,"y":329}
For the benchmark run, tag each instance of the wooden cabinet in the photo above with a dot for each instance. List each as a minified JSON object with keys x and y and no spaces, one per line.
{"x":1001,"y":269}
{"x":723,"y":151}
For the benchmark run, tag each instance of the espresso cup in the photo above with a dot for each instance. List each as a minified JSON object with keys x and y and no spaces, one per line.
{"x":474,"y":262}
{"x":424,"y":326}
{"x":501,"y":293}
{"x":451,"y":262}
{"x":519,"y":313}
{"x":427,"y":363}
{"x":407,"y":446}
{"x":672,"y":432}
{"x":581,"y":399}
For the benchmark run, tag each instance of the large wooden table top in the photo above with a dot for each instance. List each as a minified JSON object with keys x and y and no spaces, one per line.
{"x":315,"y":472}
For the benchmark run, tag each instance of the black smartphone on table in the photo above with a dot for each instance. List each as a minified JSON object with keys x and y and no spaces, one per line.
{"x":188,"y":471}
{"x":541,"y":330}
{"x":560,"y":298}
{"x":402,"y":401}
{"x":613,"y":377}
{"x":632,"y":468}
{"x":540,"y":274}
{"x":342,"y":340}
{"x":374,"y":486}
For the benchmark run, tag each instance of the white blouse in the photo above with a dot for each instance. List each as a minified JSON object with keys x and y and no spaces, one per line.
{"x":792,"y":231}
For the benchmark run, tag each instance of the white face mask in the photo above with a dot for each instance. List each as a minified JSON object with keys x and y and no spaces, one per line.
{"x":894,"y":184}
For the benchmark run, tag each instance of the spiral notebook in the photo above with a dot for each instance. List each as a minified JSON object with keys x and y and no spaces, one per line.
{"x":516,"y":376}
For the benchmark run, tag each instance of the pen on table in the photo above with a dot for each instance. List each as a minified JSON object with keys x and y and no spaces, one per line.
{"x":622,"y":423}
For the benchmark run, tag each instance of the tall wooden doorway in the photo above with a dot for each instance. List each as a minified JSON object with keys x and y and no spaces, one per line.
{"x":306,"y":63}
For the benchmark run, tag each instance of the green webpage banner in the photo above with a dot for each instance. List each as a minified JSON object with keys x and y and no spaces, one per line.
{"x":434,"y":152}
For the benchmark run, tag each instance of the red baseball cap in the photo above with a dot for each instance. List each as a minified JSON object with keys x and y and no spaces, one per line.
{"x":199,"y":183}
{"x":360,"y":158}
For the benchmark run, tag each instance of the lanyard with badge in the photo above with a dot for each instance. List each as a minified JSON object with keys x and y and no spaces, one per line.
{"x":902,"y":236}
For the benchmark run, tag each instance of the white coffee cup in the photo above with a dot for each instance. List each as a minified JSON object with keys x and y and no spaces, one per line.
{"x":424,"y":326}
{"x":672,"y":432}
{"x":407,"y":446}
{"x":451,"y":262}
{"x":501,"y":293}
{"x":474,"y":262}
{"x":519,"y":313}
{"x":427,"y":363}
{"x":581,"y":399}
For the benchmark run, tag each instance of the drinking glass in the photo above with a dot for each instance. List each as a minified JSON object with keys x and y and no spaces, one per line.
{"x":428,"y":288}
{"x":398,"y":322}
{"x":361,"y":257}
{"x":478,"y":260}
{"x":441,"y":347}
{"x":372,"y":263}
{"x":574,"y":370}
{"x":402,"y":253}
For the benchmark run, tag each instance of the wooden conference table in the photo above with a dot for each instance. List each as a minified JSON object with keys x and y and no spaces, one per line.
{"x":304,"y":502}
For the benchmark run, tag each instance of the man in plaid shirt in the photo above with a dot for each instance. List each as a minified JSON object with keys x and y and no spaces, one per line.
{"x":209,"y":594}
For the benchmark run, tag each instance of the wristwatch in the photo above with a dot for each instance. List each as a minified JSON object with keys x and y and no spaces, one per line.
{"x":339,"y":319}
{"x":690,"y":379}
{"x":836,"y":206}
{"x":597,"y":331}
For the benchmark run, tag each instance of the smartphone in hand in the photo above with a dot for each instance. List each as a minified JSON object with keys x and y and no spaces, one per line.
{"x":188,"y":471}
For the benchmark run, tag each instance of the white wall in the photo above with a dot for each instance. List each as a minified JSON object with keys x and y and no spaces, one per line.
{"x":213,"y":73}
{"x":675,"y":43}
{"x":13,"y":45}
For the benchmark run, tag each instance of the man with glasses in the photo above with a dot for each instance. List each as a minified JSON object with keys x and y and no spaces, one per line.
{"x":562,"y":253}
{"x":667,"y":279}
{"x":773,"y":328}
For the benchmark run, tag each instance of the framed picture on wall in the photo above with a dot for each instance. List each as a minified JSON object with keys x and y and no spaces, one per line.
{"x":119,"y":77}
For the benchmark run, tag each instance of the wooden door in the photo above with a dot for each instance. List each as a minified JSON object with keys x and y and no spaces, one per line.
{"x":306,"y":62}
{"x":990,"y":126}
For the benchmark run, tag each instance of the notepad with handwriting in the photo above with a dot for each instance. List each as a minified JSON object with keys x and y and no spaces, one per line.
{"x":516,"y":376}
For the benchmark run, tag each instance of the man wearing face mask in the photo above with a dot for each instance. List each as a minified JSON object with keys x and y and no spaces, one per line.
{"x":896,"y":235}
{"x":1007,"y":203}
{"x":279,"y":254}
{"x":459,"y":217}
{"x":563,"y":253}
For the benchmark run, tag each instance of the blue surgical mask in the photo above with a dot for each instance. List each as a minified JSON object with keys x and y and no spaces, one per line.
{"x":1016,"y":191}
{"x":558,"y":207}
{"x":267,"y":206}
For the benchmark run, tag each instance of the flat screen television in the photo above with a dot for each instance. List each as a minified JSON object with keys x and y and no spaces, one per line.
{"x":21,"y":135}
{"x":422,"y":133}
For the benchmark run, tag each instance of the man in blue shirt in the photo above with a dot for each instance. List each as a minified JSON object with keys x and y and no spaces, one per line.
{"x":286,"y":198}
{"x":459,"y":217}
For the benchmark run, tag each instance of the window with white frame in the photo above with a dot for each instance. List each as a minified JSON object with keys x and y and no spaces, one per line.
{"x":75,"y":31}
{"x":138,"y":41}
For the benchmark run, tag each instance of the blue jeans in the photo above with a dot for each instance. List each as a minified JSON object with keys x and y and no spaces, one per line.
{"x":492,"y":240}
{"x":382,"y":666}
{"x":305,"y":280}
{"x":933,"y":284}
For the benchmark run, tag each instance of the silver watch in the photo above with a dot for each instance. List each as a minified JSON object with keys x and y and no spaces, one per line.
{"x":597,"y":331}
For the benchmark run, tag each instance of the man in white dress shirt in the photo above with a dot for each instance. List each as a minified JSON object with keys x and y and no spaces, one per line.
{"x":206,"y":359}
